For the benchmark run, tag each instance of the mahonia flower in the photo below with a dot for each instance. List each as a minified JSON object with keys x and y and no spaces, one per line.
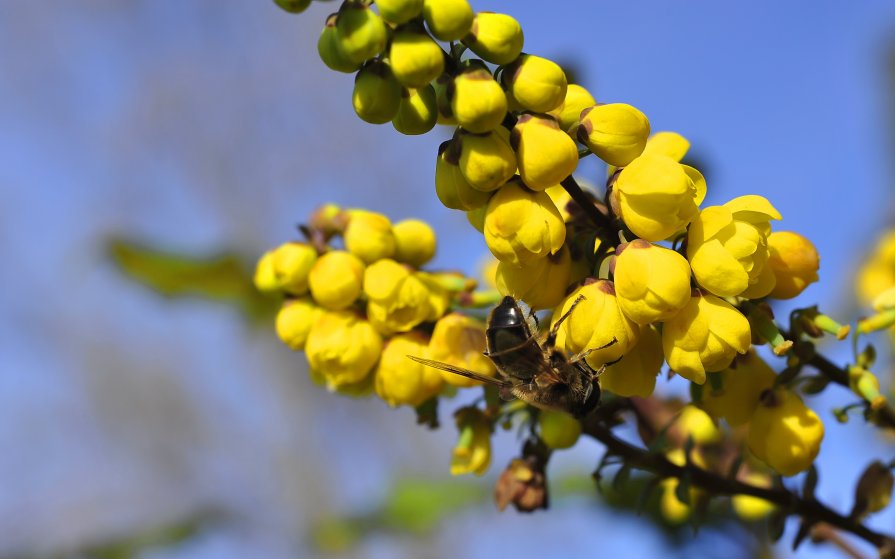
{"x":671,"y":507}
{"x":522,"y":225}
{"x":418,"y":111}
{"x":399,"y":298}
{"x":635,"y":373}
{"x":784,"y":433}
{"x":704,"y":336}
{"x":594,"y":323}
{"x":477,"y":101}
{"x":751,"y":508}
{"x":576,"y":100}
{"x":336,"y":279}
{"x":496,"y":38}
{"x":656,"y":196}
{"x":545,"y":154}
{"x":670,"y":144}
{"x":369,"y":236}
{"x":459,"y":340}
{"x":329,"y":51}
{"x":401,"y":381}
{"x":360,"y":31}
{"x":448,"y":20}
{"x":472,"y":455}
{"x":294,"y":321}
{"x":293,"y":6}
{"x":377,"y":94}
{"x":485,"y":160}
{"x":616,"y":132}
{"x":541,"y":283}
{"x":535,"y":84}
{"x":696,"y":424}
{"x":558,"y":430}
{"x":878,"y":273}
{"x":285,"y":268}
{"x":414,"y":57}
{"x":727,"y":247}
{"x":397,"y":12}
{"x":414,"y":242}
{"x":451,"y":187}
{"x":794,"y":262}
{"x":733,"y":394}
{"x":652,"y":283}
{"x":342,"y":347}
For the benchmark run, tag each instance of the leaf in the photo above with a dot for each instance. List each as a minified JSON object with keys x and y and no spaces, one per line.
{"x":418,"y":506}
{"x":223,"y":277}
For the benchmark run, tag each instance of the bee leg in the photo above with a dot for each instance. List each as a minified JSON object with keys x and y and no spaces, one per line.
{"x":611,"y":342}
{"x":551,"y":337}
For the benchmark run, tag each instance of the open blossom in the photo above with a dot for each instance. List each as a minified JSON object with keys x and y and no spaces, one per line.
{"x":522,"y":225}
{"x":400,"y":381}
{"x":342,"y":348}
{"x":784,"y":433}
{"x":652,"y":283}
{"x":400,"y":298}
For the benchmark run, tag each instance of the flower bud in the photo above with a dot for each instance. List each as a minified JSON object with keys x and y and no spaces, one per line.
{"x":442,"y":85}
{"x":369,"y":236}
{"x":670,"y":506}
{"x":452,"y":188}
{"x":417,"y":113}
{"x":342,"y":348}
{"x":486,"y":160}
{"x":524,"y":484}
{"x":377,"y":94}
{"x":361,"y":32}
{"x":397,"y":12}
{"x":652,"y":283}
{"x":878,"y":273}
{"x":477,"y":101}
{"x":794,"y":263}
{"x":576,"y":100}
{"x":399,"y":298}
{"x":749,"y":508}
{"x":784,"y":433}
{"x":874,"y":490}
{"x":635,"y":373}
{"x":415,"y":58}
{"x":336,"y":279}
{"x":704,"y":336}
{"x":616,"y":132}
{"x":594,"y":322}
{"x":536,"y":84}
{"x":472,"y":455}
{"x":294,"y":321}
{"x":401,"y":381}
{"x":448,"y":20}
{"x":558,"y":429}
{"x":414,"y":242}
{"x":286,"y":268}
{"x":293,"y":6}
{"x":497,"y":38}
{"x":546,"y":155}
{"x":541,"y":283}
{"x":459,"y":340}
{"x":656,"y":196}
{"x":727,"y":247}
{"x":522,"y":225}
{"x":733,"y":394}
{"x":329,"y":51}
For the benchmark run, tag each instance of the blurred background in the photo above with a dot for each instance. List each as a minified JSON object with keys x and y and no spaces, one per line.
{"x":134,"y":424}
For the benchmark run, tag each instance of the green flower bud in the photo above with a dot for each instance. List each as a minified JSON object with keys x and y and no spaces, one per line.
{"x":399,"y":11}
{"x":451,"y":186}
{"x":442,"y":86}
{"x":536,"y":84}
{"x":377,"y":94}
{"x":415,"y":58}
{"x":616,"y":133}
{"x":558,"y":430}
{"x":361,"y":32}
{"x":448,"y":20}
{"x":293,"y":6}
{"x":486,"y":160}
{"x":576,"y":100}
{"x":329,"y":51}
{"x":477,"y":101}
{"x":417,"y":112}
{"x":546,"y":155}
{"x":495,"y":37}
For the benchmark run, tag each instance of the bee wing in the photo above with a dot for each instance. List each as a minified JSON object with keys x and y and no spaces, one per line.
{"x":459,"y":371}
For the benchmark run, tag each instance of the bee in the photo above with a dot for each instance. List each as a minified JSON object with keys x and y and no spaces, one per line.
{"x":531,"y":369}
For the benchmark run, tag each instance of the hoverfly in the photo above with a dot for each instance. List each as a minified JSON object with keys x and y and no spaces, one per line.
{"x":530,"y":369}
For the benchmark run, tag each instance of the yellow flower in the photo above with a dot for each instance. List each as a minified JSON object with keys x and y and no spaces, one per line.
{"x":399,"y":11}
{"x":541,"y":283}
{"x":360,"y":31}
{"x":342,"y":348}
{"x":414,"y":242}
{"x":398,"y":297}
{"x":751,"y":508}
{"x":670,"y":144}
{"x":477,"y":101}
{"x":576,"y":100}
{"x":401,"y":381}
{"x":695,"y":423}
{"x":794,"y":263}
{"x":451,"y":187}
{"x":616,"y":132}
{"x":460,"y":341}
{"x":672,"y":509}
{"x":784,"y":433}
{"x":369,"y":236}
{"x":535,"y":84}
{"x":295,"y":320}
{"x":594,"y":323}
{"x":414,"y":57}
{"x":336,"y":279}
{"x":652,"y":283}
{"x":704,"y":336}
{"x":734,"y":394}
{"x":472,"y":455}
{"x":286,"y":268}
{"x":377,"y":94}
{"x":878,"y":273}
{"x":522,"y":225}
{"x":486,"y":160}
{"x":497,"y":38}
{"x":727,"y":247}
{"x":635,"y":373}
{"x":448,"y":20}
{"x":656,"y":196}
{"x":558,"y":429}
{"x":418,"y":111}
{"x":545,"y":154}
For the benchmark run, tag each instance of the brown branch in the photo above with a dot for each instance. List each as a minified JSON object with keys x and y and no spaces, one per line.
{"x":587,"y":205}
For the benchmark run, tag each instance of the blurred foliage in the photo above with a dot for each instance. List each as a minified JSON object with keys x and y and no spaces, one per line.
{"x":223,"y":277}
{"x":131,"y":546}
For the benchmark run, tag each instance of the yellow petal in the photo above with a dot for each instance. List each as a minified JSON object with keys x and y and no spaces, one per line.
{"x":671,"y":144}
{"x":698,"y":182}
